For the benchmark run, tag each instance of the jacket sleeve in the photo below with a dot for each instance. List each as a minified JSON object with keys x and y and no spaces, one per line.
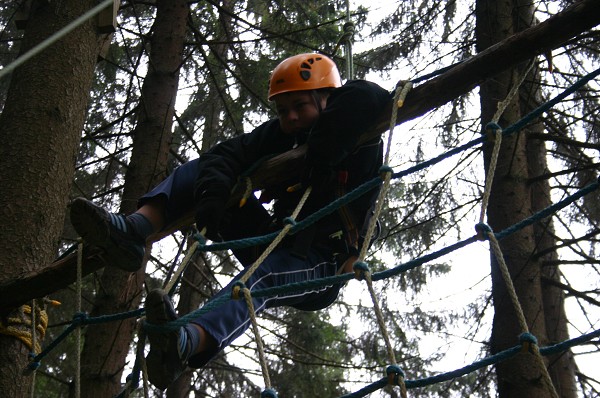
{"x":350,"y":111}
{"x":220,"y":167}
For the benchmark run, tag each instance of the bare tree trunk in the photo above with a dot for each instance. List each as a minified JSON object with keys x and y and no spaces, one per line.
{"x":40,"y":128}
{"x":107,"y":345}
{"x":510,"y":202}
{"x":561,"y":366}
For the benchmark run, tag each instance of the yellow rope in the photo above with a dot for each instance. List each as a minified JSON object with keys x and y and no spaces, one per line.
{"x":20,"y":327}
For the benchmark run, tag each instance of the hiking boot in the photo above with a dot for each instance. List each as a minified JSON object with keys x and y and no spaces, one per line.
{"x":169,"y":349}
{"x":110,"y":232}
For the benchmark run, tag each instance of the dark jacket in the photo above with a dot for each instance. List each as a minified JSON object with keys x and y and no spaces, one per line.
{"x":350,"y":111}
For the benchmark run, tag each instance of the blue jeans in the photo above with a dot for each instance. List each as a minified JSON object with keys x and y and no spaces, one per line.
{"x":228,"y":321}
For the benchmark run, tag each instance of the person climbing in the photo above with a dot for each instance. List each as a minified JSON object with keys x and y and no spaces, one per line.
{"x":313,"y":108}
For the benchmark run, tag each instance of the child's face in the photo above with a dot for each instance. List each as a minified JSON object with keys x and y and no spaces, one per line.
{"x":297,"y":111}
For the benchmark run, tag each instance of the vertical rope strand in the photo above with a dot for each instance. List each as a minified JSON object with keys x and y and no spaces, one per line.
{"x":400,"y":95}
{"x":259,"y":345}
{"x":494,"y":128}
{"x":248,"y":295}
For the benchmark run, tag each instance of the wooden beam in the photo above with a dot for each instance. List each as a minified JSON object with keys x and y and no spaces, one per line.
{"x":430,"y":95}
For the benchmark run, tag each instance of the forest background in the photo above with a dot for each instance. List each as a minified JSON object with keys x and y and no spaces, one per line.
{"x":111,"y":108}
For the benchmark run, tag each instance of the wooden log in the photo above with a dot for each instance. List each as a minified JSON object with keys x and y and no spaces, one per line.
{"x":436,"y":92}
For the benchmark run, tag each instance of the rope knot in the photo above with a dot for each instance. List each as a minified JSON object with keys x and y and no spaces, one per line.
{"x":360,"y":268}
{"x":482,"y":231}
{"x":491,"y":129}
{"x":395,"y":375}
{"x":385,"y":169}
{"x":349,"y":28}
{"x":236,"y":289}
{"x":268,"y":393}
{"x":289,"y":221}
{"x":528,"y":342}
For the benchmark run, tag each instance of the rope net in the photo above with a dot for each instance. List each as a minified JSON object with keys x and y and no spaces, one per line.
{"x":394,"y":374}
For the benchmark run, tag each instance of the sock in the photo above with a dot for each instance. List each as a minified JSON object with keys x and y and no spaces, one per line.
{"x":189,"y":339}
{"x":141,"y":226}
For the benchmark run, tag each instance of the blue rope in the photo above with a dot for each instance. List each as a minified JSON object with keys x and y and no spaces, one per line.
{"x":83,"y":319}
{"x":332,"y":280}
{"x":491,"y":360}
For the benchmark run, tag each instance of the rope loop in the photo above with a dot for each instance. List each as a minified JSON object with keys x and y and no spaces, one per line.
{"x":349,"y":29}
{"x":238,"y":287}
{"x":268,"y":393}
{"x":289,"y":221}
{"x":492,"y":130}
{"x":528,"y":342}
{"x":360,"y":268}
{"x":482,"y":231}
{"x":492,"y":126}
{"x":395,"y":377}
{"x":394,"y":374}
{"x":385,"y":169}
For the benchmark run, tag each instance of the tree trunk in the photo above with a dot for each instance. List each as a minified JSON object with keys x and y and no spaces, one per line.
{"x":107,"y":345}
{"x":561,"y":366}
{"x":510,"y":202}
{"x":40,"y":128}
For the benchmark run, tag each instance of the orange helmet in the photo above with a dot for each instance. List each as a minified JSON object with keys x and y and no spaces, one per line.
{"x":304,"y":72}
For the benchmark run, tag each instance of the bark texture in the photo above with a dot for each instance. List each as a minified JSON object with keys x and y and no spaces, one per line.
{"x":107,"y":345}
{"x":40,"y":128}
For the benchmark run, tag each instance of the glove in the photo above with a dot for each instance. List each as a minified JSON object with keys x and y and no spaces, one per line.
{"x":209,"y":215}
